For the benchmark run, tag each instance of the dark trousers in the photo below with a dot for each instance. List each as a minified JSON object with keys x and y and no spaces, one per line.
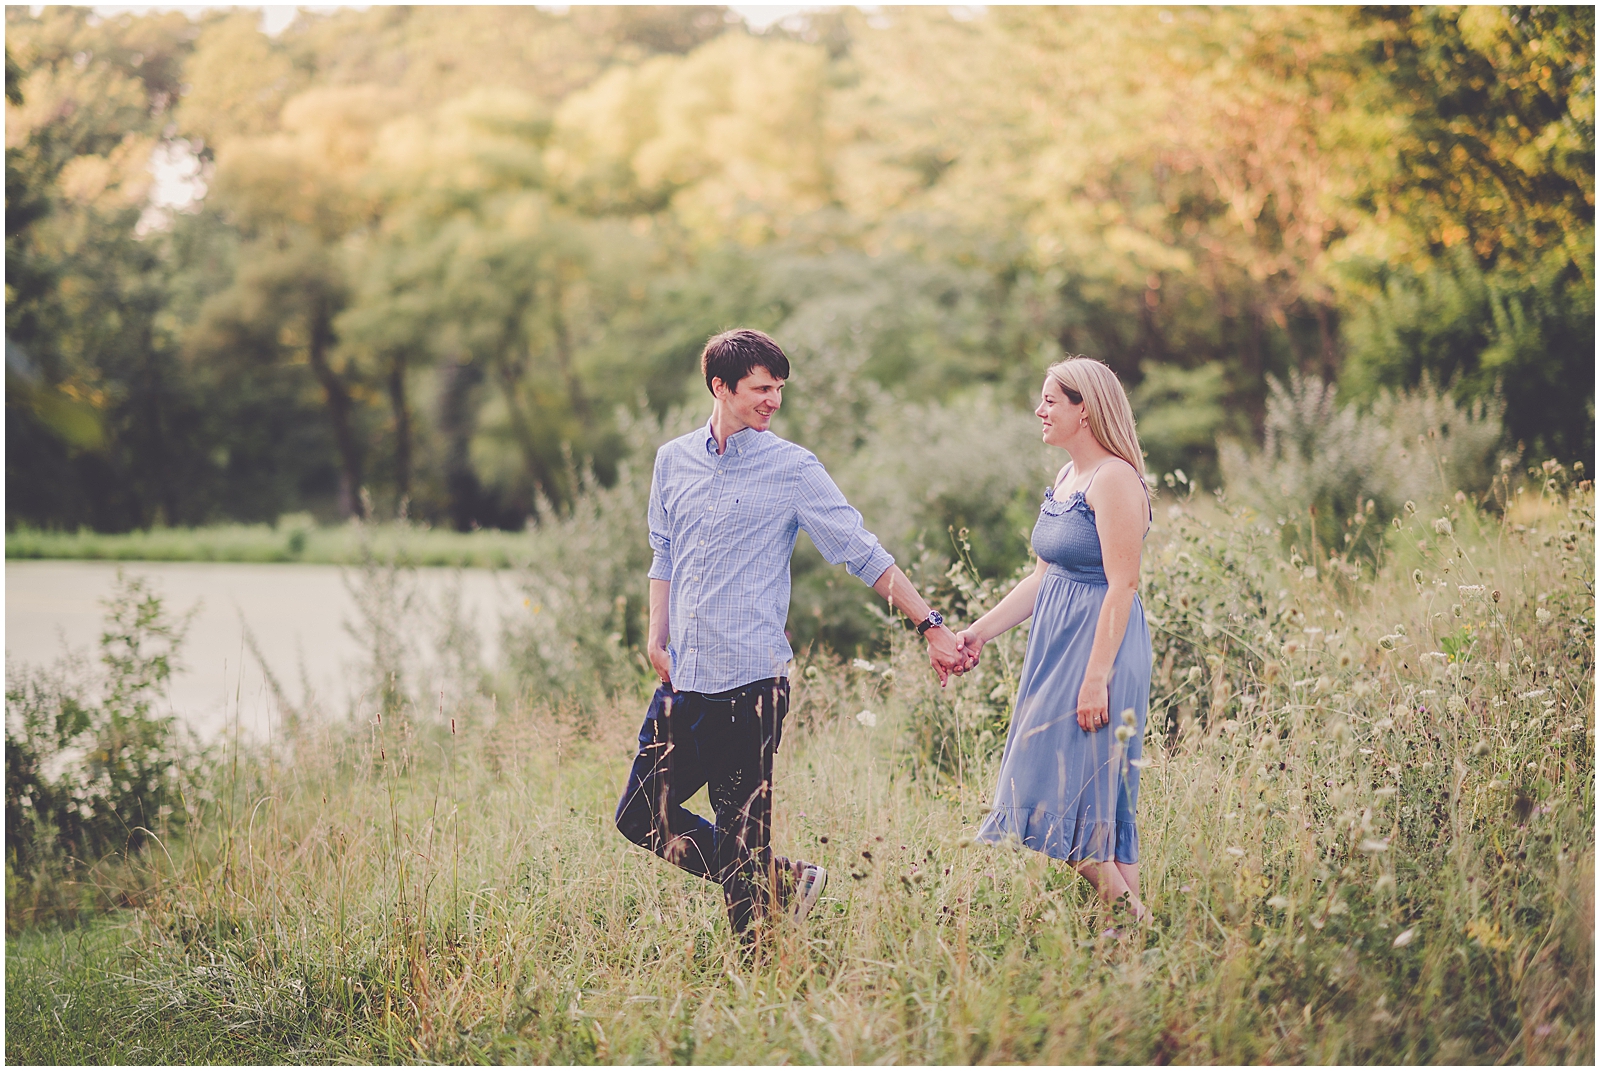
{"x":725,"y":742}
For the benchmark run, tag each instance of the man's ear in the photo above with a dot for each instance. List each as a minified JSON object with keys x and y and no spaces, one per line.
{"x":716,"y":383}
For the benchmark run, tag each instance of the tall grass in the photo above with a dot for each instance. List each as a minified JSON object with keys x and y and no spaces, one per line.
{"x":1367,"y":826}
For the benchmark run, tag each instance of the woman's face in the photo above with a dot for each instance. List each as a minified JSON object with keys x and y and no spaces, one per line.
{"x":1062,"y":419}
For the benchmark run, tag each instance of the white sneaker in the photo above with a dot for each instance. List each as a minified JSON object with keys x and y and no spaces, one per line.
{"x":813,"y":879}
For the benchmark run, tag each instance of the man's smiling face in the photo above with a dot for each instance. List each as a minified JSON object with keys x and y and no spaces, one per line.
{"x":753,"y":401}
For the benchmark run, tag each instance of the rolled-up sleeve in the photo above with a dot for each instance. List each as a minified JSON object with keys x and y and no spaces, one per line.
{"x":835,"y":526}
{"x":660,"y":540}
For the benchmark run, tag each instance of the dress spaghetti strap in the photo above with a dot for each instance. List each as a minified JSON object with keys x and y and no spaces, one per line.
{"x":1149,"y":506}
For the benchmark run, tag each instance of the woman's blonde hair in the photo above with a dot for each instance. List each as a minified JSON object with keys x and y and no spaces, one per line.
{"x":1110,"y":415}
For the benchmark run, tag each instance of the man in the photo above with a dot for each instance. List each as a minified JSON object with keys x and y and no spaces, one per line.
{"x":726,"y":502}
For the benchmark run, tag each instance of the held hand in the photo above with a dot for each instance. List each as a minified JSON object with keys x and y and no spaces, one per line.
{"x":662,"y":663}
{"x":1094,"y":701}
{"x":970,"y":645}
{"x":943,"y":653}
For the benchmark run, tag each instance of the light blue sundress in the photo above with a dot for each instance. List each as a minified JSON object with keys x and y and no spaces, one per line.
{"x":1063,"y":791}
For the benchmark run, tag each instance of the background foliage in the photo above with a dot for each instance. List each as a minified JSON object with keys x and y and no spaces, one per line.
{"x":429,"y":254}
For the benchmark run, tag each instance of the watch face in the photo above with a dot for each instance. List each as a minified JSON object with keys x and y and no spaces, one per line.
{"x":935,"y":619}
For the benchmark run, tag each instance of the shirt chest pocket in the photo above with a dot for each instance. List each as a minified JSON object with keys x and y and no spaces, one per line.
{"x":748,"y":509}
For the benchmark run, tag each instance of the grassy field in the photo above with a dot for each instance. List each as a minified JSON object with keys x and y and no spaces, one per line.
{"x":1367,"y":823}
{"x":291,"y":540}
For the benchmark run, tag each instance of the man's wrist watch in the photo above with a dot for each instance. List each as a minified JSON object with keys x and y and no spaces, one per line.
{"x":933,"y":620}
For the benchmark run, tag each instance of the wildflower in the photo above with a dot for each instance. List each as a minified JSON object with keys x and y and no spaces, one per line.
{"x":862,"y":664}
{"x":811,"y":673}
{"x":1280,"y":902}
{"x":888,"y":674}
{"x":1411,"y":507}
{"x":1542,"y":616}
{"x":1470,"y":591}
{"x":1124,"y":732}
{"x":1456,"y":705}
{"x":1405,"y":937}
{"x":1389,"y":642}
{"x":1416,"y":576}
{"x":1535,"y":694}
{"x":1138,"y":764}
{"x":1455,"y":608}
{"x":1194,"y":674}
{"x":867,"y":718}
{"x":1128,"y":717}
{"x":1495,"y":594}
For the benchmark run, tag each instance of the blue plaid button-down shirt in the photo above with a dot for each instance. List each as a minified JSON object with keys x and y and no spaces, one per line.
{"x":723,"y":529}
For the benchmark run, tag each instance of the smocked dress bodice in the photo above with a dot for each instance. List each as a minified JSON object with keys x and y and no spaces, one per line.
{"x":1066,"y":537}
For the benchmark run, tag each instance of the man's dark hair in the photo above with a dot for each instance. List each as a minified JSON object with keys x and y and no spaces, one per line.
{"x":732,"y":355}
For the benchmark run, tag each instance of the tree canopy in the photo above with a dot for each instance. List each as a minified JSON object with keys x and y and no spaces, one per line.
{"x":439,"y":248}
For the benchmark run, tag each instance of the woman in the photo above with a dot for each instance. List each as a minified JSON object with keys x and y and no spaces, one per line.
{"x":1069,"y":779}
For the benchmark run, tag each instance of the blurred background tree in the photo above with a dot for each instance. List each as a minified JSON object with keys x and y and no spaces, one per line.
{"x":421,"y":257}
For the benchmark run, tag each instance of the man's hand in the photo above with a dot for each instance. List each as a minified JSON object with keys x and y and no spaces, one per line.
{"x":662,"y":663}
{"x":945,"y":654}
{"x":970,"y":644}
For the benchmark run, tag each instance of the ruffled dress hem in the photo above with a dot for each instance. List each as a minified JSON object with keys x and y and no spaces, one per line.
{"x":1073,"y":841}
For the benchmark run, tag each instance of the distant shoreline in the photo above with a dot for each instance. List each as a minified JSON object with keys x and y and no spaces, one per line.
{"x":307,"y":544}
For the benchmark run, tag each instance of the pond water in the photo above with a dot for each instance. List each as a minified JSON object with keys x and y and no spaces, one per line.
{"x":299,"y":615}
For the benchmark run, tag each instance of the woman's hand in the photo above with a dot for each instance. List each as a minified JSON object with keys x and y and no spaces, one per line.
{"x":1094,"y":701}
{"x":968,"y":644}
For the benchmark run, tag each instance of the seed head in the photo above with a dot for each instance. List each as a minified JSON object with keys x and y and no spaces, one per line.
{"x":1443,"y":526}
{"x":1128,"y":717}
{"x":1124,"y":732}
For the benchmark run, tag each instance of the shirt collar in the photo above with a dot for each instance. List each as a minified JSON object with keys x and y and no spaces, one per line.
{"x":738,"y":443}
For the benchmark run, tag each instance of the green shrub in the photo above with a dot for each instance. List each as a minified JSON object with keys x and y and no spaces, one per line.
{"x":87,"y":778}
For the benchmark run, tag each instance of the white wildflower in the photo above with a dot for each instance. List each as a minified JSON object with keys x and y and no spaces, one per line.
{"x":867,"y":718}
{"x":862,"y":664}
{"x":1443,"y":526}
{"x":1405,"y":937}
